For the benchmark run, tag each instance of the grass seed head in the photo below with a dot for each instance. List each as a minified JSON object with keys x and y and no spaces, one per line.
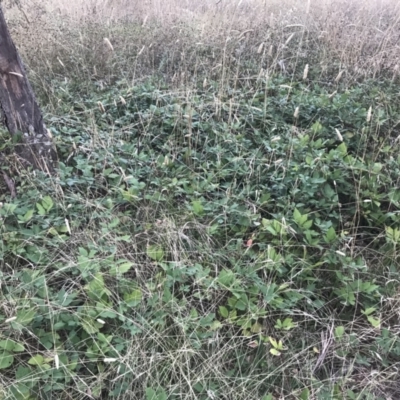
{"x":101,"y":107}
{"x":305,"y":73}
{"x":339,"y":76}
{"x":108,"y":44}
{"x":339,"y":135}
{"x":369,"y":114}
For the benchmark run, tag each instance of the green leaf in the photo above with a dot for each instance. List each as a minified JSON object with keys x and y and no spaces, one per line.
{"x":223,"y":311}
{"x":151,"y":394}
{"x":20,"y":391}
{"x":316,"y":127}
{"x":377,"y":167}
{"x":351,"y":394}
{"x":297,"y":215}
{"x":6,"y":359}
{"x":121,"y":268}
{"x":226,"y":277}
{"x":47,"y":203}
{"x":40,"y":208}
{"x":11,"y":345}
{"x":215,"y":325}
{"x":25,"y":316}
{"x":36,"y":360}
{"x":256,"y":328}
{"x":83,"y":252}
{"x":330,"y":235}
{"x":339,"y":332}
{"x":286,"y":325}
{"x":197,"y":207}
{"x":158,"y":394}
{"x":96,"y":287}
{"x":28,"y":215}
{"x":342,"y":148}
{"x":7,"y":344}
{"x":155,"y":252}
{"x":22,"y":372}
{"x":103,"y":338}
{"x":133,"y":298}
{"x":375,"y":322}
{"x":274,"y":352}
{"x":305,"y":394}
{"x":369,"y":311}
{"x":268,"y":397}
{"x":89,"y":326}
{"x":273,"y":342}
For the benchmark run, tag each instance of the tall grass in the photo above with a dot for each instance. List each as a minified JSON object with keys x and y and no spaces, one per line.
{"x":185,"y":41}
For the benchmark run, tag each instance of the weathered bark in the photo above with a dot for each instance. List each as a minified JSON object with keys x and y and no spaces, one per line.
{"x":21,"y":113}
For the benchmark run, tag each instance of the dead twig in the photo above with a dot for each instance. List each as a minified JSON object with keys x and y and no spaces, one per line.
{"x":10,"y":184}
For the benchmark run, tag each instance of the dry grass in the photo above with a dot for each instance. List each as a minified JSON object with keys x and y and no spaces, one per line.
{"x":188,"y":40}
